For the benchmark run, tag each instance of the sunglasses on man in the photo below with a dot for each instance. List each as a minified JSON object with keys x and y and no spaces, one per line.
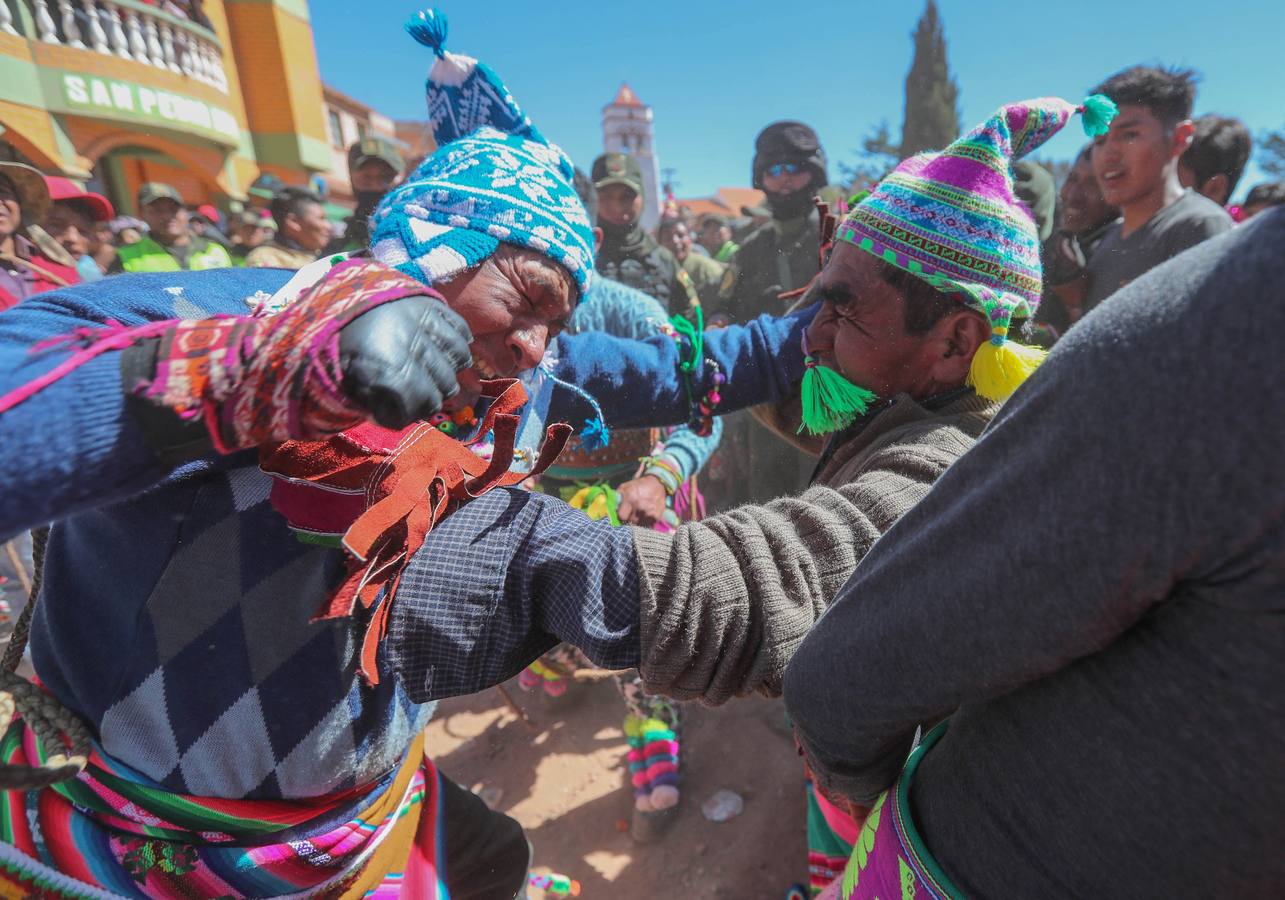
{"x":780,"y":169}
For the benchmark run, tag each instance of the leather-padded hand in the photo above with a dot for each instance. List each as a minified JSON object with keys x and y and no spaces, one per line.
{"x":399,"y":360}
{"x":274,"y":377}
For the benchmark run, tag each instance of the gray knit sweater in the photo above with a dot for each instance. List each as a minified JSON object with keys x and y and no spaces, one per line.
{"x":725,"y":602}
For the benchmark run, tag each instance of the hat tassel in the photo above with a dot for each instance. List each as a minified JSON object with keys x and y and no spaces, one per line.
{"x":998,"y":370}
{"x":429,"y":28}
{"x":830,"y":401}
{"x":1098,"y":111}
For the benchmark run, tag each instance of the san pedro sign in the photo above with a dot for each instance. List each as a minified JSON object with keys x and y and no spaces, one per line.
{"x":118,"y":99}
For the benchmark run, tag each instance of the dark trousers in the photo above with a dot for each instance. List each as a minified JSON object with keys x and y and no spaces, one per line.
{"x":487,"y":854}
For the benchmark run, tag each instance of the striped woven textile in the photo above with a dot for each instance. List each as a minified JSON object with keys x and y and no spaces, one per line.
{"x":113,"y":833}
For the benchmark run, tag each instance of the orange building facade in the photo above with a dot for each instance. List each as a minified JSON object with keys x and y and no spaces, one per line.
{"x":206,"y":96}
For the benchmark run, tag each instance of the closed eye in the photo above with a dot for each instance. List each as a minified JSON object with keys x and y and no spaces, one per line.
{"x":850,"y":317}
{"x":837,"y":294}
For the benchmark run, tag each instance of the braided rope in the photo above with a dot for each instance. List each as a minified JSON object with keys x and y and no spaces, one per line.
{"x":64,"y":736}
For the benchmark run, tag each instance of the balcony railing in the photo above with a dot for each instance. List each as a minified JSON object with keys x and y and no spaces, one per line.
{"x":130,"y":30}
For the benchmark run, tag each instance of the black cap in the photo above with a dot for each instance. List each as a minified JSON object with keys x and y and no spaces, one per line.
{"x":617,"y":168}
{"x":789,"y":142}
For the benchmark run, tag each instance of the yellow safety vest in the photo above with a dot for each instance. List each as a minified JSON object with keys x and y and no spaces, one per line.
{"x":149,"y":256}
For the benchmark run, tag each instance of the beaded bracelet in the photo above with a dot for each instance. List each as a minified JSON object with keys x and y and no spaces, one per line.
{"x":664,"y":471}
{"x":702,"y":420}
{"x":454,"y":424}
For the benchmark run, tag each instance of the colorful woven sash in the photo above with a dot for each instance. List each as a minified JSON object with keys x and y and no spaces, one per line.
{"x":111,"y":833}
{"x":889,"y":858}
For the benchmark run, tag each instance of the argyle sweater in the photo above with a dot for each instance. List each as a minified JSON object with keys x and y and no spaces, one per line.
{"x":175,"y":609}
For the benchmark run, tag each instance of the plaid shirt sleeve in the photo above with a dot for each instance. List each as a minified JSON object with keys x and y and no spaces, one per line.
{"x":502,"y":580}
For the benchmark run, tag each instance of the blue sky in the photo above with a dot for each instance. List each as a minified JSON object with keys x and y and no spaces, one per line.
{"x":716,"y":72}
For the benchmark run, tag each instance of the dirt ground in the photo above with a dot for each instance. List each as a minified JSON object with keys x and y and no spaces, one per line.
{"x":563,"y":779}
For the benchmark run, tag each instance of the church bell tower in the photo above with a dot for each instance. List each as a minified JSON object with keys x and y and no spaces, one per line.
{"x":626,"y":128}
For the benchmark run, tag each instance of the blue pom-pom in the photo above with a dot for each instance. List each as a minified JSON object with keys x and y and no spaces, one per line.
{"x":594,"y":436}
{"x":429,"y":28}
{"x":1098,"y":111}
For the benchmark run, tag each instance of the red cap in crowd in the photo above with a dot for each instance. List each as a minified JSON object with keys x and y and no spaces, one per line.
{"x":98,"y":206}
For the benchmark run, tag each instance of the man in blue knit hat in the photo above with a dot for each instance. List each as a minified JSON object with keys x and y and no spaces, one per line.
{"x":244,"y":746}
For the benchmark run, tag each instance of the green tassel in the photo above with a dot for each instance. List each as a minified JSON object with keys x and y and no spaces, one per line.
{"x":1098,"y":111}
{"x":830,"y":401}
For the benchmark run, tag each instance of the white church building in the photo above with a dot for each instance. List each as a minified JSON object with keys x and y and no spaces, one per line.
{"x":626,"y":128}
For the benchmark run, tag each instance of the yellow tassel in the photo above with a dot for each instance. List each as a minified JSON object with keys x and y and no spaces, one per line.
{"x":998,"y":371}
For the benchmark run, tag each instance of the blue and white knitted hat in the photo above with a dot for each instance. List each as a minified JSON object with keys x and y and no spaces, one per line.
{"x":482,"y":186}
{"x":464,"y":94}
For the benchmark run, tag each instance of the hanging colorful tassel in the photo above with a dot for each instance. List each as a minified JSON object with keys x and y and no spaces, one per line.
{"x":1098,"y":111}
{"x":830,"y":401}
{"x":595,"y":435}
{"x":999,"y":369}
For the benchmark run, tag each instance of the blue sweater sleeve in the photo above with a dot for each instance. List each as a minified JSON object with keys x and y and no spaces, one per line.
{"x":617,"y":309}
{"x":638,"y":384}
{"x":73,"y":445}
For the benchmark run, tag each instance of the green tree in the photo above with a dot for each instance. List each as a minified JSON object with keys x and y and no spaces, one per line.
{"x":877,"y":156}
{"x":1272,"y":156}
{"x":932,"y":97}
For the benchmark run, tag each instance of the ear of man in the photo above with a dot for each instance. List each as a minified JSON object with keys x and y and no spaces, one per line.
{"x":953,"y":342}
{"x":1183,"y":134}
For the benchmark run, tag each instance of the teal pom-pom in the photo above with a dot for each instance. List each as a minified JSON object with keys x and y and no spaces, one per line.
{"x":1098,"y":111}
{"x":594,"y":436}
{"x":429,"y":28}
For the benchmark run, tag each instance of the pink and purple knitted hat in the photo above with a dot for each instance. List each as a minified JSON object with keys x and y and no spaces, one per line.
{"x":953,"y":219}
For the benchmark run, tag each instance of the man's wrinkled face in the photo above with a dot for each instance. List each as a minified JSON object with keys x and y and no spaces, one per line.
{"x":1131,"y":159}
{"x":166,"y":220}
{"x":515,"y":303}
{"x":10,"y":209}
{"x":861,"y":328}
{"x":677,"y":238}
{"x":373,"y":176}
{"x":619,"y":204}
{"x":1083,"y":208}
{"x":70,"y":227}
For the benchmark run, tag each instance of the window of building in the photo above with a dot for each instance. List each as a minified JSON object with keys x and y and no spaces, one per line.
{"x":336,"y":129}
